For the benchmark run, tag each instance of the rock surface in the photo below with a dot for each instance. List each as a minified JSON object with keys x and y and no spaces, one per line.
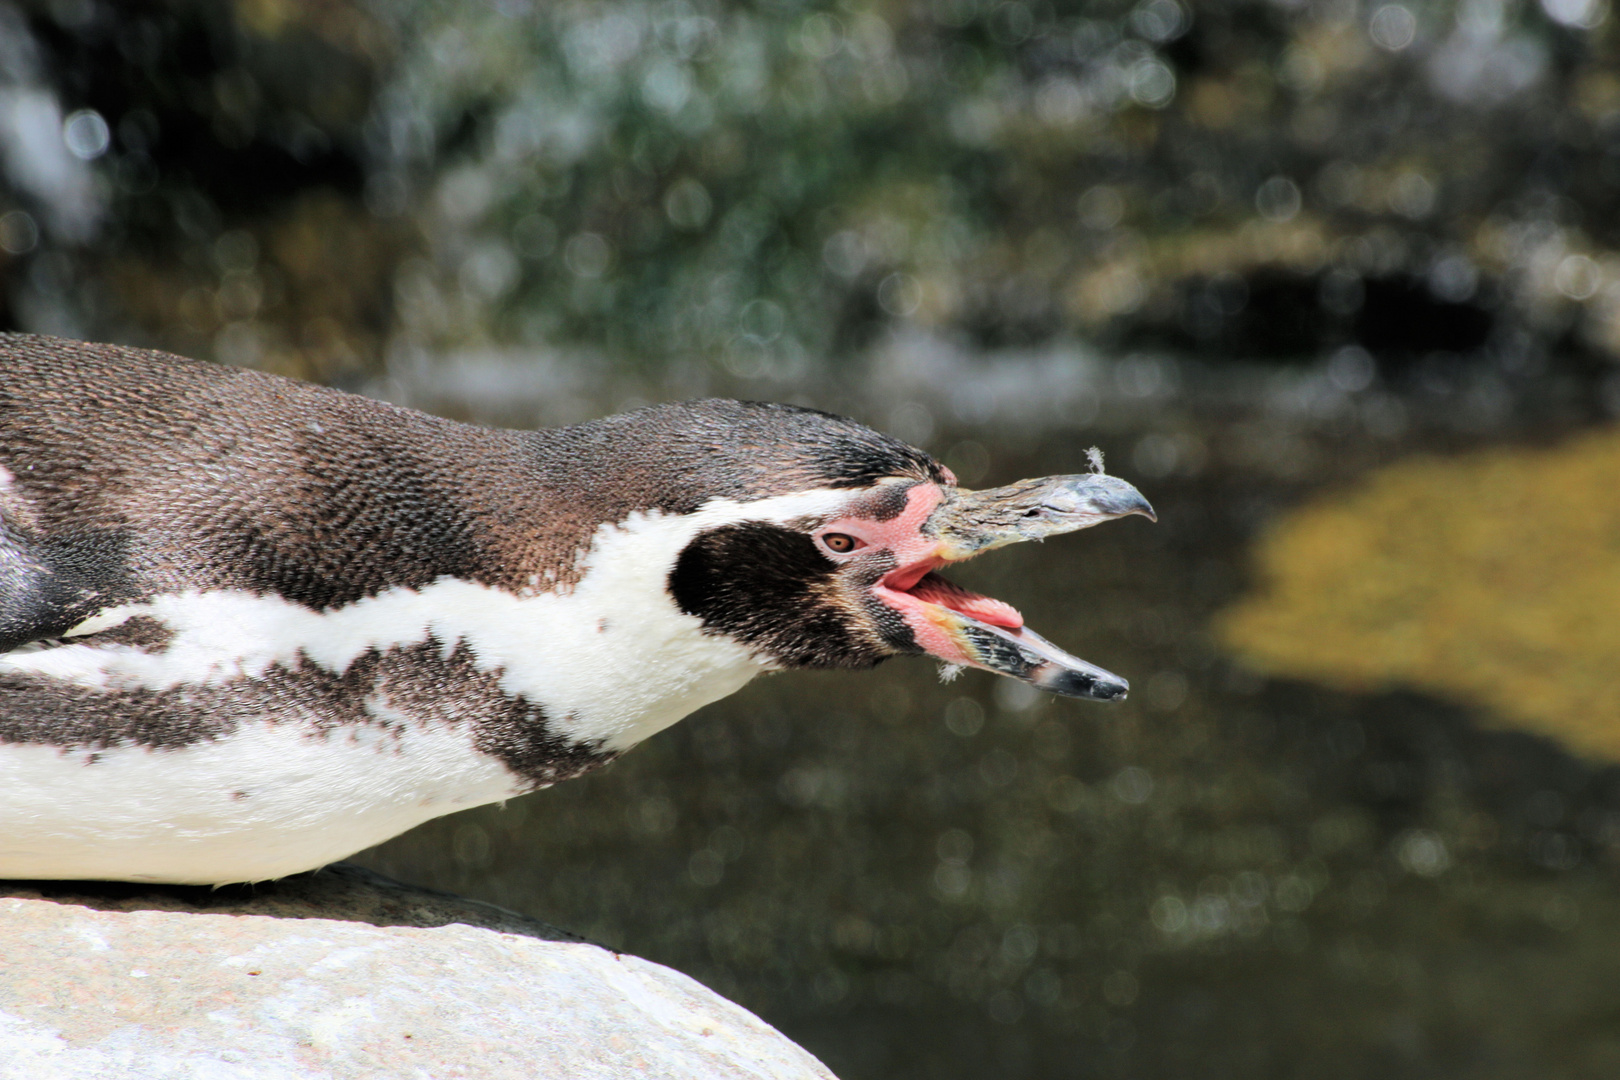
{"x":344,"y":974}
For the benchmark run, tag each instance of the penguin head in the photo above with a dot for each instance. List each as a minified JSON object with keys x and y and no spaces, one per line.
{"x":825,"y":549}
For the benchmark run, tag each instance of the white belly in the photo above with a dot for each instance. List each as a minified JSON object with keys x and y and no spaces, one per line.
{"x":263,"y":802}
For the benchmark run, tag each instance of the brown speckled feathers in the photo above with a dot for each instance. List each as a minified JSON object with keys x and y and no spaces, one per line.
{"x":134,"y":472}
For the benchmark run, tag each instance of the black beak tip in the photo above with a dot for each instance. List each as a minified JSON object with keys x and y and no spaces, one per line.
{"x":1080,"y":684}
{"x":1111,"y":691}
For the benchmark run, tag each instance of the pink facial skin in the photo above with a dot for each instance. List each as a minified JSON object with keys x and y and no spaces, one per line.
{"x":931,"y":606}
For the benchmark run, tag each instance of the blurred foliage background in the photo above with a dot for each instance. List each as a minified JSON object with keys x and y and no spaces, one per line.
{"x":1334,"y":280}
{"x":759,"y":191}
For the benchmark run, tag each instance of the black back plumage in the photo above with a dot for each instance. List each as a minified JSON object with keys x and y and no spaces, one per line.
{"x":133,"y":473}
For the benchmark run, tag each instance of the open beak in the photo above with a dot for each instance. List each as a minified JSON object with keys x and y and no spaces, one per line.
{"x":961,"y":627}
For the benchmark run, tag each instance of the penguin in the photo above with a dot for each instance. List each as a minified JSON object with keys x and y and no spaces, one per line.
{"x":250,"y":626}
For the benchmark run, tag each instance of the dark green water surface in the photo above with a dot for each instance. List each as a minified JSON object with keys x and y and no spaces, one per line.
{"x":1225,"y":876}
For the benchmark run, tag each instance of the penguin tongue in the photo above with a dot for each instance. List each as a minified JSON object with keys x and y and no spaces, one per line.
{"x":933,"y":589}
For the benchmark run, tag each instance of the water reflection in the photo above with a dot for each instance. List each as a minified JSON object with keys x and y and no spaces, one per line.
{"x":1490,"y":577}
{"x":1228,"y":874}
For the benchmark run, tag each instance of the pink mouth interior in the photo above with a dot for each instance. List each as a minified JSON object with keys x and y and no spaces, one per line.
{"x":920,"y":583}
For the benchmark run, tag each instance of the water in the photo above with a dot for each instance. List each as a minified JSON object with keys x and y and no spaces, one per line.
{"x":1231,"y":874}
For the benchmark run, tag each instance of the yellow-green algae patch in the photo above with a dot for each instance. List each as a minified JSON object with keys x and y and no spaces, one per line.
{"x":1493,"y":578}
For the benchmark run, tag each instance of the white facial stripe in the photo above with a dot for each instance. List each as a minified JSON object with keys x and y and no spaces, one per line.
{"x":270,"y":800}
{"x":611,"y":660}
{"x":779,"y":508}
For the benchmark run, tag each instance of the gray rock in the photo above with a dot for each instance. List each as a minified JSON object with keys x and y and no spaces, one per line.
{"x":344,"y":974}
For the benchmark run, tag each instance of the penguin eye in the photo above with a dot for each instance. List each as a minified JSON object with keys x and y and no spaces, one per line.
{"x":841,"y":543}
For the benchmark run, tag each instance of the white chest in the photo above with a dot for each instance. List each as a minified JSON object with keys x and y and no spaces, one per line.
{"x":609,"y":662}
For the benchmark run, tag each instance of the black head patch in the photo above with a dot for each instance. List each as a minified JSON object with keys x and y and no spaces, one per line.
{"x":680,"y":455}
{"x":771,"y":588}
{"x":675,"y":458}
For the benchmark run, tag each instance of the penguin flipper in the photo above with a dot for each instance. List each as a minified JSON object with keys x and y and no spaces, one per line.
{"x":47,"y":588}
{"x":23,"y":618}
